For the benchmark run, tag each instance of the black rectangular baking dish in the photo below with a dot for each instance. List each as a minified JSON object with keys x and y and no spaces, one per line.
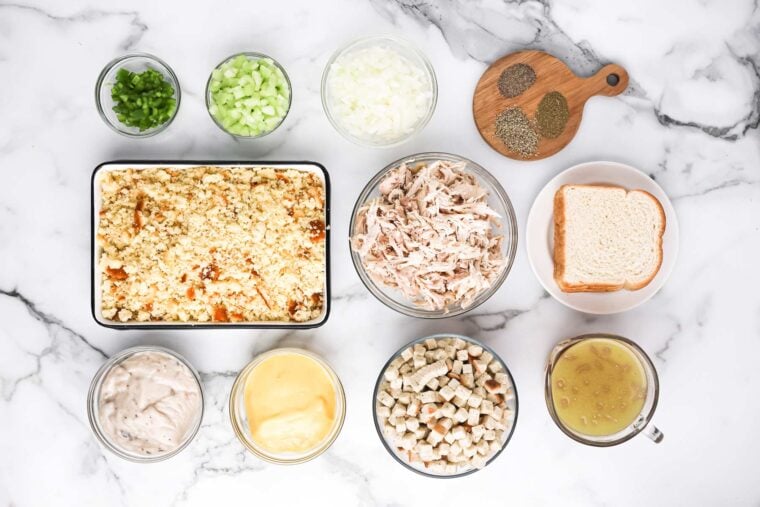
{"x":314,"y":167}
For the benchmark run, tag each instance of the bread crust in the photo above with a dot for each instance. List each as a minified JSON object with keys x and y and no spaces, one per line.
{"x":559,"y":244}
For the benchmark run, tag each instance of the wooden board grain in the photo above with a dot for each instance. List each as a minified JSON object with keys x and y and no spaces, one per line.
{"x":552,"y":74}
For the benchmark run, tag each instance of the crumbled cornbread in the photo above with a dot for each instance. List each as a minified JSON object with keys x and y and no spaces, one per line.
{"x":212,"y":244}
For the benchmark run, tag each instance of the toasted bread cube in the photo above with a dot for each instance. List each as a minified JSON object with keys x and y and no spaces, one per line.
{"x":406,"y":354}
{"x":501,"y":378}
{"x":412,"y":423}
{"x":385,"y":399}
{"x":448,"y":410}
{"x":443,"y":448}
{"x":446,"y":392}
{"x":454,"y":383}
{"x":390,"y":374}
{"x":456,"y":367}
{"x":473,"y":417}
{"x":451,"y":469}
{"x":486,"y":356}
{"x":429,"y":356}
{"x":443,"y":380}
{"x":496,"y":399}
{"x":467,"y":369}
{"x":383,"y":412}
{"x":446,"y":422}
{"x":478,"y":462}
{"x":462,"y":355}
{"x":494,"y":367}
{"x":474,"y":350}
{"x":434,"y":437}
{"x":421,"y":432}
{"x":454,"y":451}
{"x":480,"y":366}
{"x":425,"y":451}
{"x":461,"y":415}
{"x":419,"y":361}
{"x":398,"y":410}
{"x":397,"y":383}
{"x":440,"y":355}
{"x":429,"y":397}
{"x":413,"y":409}
{"x":405,"y":398}
{"x":474,"y":401}
{"x":407,"y":441}
{"x":459,"y":401}
{"x":482,"y":447}
{"x":459,"y":343}
{"x":498,"y":413}
{"x":433,"y":383}
{"x":419,"y":349}
{"x":468,"y":380}
{"x":451,"y":352}
{"x":431,"y":344}
{"x":400,"y":427}
{"x":458,"y":432}
{"x":489,"y":435}
{"x":405,"y":368}
{"x":477,"y":431}
{"x":486,"y":407}
{"x":480,"y":391}
{"x":470,"y":452}
{"x":428,"y":411}
{"x":462,"y":392}
{"x":490,"y":423}
{"x":449,"y":438}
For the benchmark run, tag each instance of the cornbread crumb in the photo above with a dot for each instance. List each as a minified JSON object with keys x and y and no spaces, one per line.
{"x":212,"y":244}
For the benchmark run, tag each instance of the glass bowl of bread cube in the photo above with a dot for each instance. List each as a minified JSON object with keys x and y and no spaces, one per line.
{"x":445,"y":405}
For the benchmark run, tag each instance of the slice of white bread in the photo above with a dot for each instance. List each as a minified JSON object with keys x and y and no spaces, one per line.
{"x":606,"y":238}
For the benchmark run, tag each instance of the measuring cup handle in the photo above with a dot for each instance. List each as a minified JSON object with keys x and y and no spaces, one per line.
{"x":653,"y":433}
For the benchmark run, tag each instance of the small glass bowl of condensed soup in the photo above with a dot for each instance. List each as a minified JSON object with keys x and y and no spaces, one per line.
{"x":287,"y":406}
{"x":145,"y":404}
{"x":602,"y":390}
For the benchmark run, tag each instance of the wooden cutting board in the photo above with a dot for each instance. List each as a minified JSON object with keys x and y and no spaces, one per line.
{"x":552,"y":74}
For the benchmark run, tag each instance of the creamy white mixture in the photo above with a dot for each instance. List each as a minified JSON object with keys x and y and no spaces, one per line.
{"x":149,"y":403}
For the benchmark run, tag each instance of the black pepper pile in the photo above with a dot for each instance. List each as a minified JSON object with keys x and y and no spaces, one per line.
{"x":515,"y":79}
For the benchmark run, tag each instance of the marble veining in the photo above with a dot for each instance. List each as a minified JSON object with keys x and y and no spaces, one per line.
{"x":690,"y":119}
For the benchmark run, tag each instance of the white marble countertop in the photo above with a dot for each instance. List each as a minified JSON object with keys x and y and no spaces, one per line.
{"x":690,"y":119}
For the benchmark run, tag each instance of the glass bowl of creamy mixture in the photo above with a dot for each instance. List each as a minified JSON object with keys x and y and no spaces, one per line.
{"x":287,"y":406}
{"x":145,"y":404}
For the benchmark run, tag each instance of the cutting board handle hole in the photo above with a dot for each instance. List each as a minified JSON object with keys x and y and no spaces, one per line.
{"x":613,"y":79}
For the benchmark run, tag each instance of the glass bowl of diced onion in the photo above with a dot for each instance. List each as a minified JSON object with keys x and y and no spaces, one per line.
{"x":379,"y":91}
{"x":248,"y":95}
{"x":418,"y":466}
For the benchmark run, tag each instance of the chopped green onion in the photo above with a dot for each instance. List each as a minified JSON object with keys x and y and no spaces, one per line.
{"x":248,"y":97}
{"x":145,"y":100}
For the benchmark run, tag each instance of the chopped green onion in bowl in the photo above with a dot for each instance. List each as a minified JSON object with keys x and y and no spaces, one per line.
{"x":144,"y":100}
{"x":248,"y":95}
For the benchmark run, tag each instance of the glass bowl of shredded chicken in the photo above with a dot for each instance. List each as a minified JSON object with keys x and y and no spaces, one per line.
{"x":433,"y":235}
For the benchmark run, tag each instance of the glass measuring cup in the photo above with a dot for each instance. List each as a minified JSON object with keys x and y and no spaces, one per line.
{"x":640,"y":424}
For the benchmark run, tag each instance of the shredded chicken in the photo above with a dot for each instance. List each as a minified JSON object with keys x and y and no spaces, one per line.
{"x":430,"y":235}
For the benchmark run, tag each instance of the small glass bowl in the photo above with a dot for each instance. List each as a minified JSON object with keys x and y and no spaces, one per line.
{"x":135,"y":62}
{"x":388,"y":446}
{"x":251,"y":56}
{"x":93,"y":398}
{"x":406,"y":49}
{"x":498,"y":200}
{"x":239,"y":418}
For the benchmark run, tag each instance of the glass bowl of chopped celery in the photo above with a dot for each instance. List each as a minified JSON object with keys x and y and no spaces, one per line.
{"x":248,"y":95}
{"x":137,"y":95}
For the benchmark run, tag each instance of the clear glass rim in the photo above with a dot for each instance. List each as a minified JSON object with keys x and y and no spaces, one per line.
{"x":257,"y":56}
{"x":430,"y":71}
{"x":120,"y":60}
{"x":642,"y":420}
{"x":94,"y":391}
{"x":237,"y":391}
{"x":377,"y":389}
{"x":509,"y":231}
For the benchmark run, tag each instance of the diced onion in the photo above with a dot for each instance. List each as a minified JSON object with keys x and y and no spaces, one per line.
{"x":377,"y":94}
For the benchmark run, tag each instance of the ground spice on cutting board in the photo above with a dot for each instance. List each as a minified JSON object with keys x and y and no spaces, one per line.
{"x":552,"y":114}
{"x":515,"y":79}
{"x":516,"y":130}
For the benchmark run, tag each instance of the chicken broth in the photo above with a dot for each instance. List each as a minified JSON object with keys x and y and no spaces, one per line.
{"x":598,"y":387}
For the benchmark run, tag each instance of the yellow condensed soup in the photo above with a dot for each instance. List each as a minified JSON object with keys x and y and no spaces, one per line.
{"x":290,"y":403}
{"x":598,"y":387}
